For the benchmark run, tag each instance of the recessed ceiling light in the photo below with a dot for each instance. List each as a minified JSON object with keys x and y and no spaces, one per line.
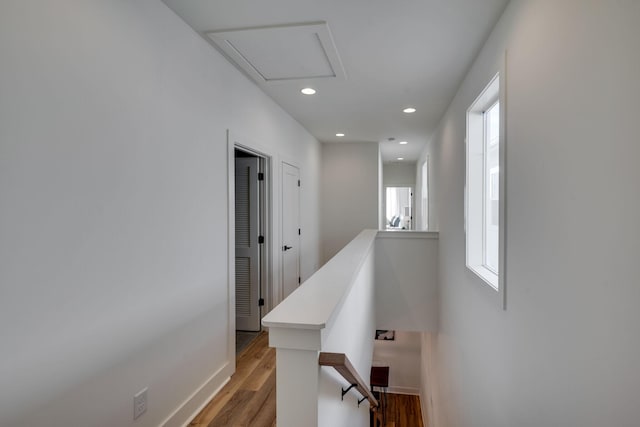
{"x":403,"y":142}
{"x":339,"y":134}
{"x":308,"y":91}
{"x":400,"y":158}
{"x":409,"y":110}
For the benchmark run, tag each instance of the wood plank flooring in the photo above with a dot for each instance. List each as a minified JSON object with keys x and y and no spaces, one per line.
{"x":249,"y":398}
{"x":403,"y":411}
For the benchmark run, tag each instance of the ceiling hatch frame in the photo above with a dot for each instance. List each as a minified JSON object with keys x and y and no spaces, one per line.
{"x":311,"y":42}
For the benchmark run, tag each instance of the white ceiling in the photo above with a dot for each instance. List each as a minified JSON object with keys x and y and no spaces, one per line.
{"x":394,"y":54}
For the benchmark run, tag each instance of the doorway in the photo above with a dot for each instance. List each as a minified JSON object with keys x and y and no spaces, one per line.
{"x":399,"y":208}
{"x":250,"y":203}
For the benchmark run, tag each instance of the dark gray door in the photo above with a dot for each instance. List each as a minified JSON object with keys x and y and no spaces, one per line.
{"x":247,"y":246}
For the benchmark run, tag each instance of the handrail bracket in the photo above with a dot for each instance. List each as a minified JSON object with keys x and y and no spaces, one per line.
{"x":341,"y":363}
{"x":347,"y":390}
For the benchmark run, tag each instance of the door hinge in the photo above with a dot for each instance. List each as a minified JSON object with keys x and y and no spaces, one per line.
{"x":298,"y":231}
{"x":261,"y":302}
{"x":298,"y":183}
{"x":260,"y":176}
{"x":298,"y":280}
{"x":260,"y":239}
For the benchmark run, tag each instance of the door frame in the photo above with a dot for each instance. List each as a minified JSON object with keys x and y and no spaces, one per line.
{"x":234,"y":142}
{"x":256,"y":250}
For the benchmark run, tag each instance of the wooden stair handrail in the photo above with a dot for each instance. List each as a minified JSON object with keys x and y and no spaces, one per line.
{"x":343,"y":365}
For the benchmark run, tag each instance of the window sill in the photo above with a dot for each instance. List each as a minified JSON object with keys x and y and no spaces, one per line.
{"x":488,"y":276}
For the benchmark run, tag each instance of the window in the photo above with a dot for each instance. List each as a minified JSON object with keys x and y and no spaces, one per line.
{"x":483,"y":186}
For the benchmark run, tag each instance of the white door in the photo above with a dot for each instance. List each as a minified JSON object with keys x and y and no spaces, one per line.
{"x":290,"y":228}
{"x":247,"y":244}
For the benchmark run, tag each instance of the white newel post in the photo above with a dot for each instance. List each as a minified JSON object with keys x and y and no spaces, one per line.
{"x":297,"y":373}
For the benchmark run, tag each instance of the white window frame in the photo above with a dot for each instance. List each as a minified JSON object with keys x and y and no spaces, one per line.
{"x":475,"y":186}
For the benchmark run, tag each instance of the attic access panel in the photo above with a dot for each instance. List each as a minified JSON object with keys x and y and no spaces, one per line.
{"x":281,"y":53}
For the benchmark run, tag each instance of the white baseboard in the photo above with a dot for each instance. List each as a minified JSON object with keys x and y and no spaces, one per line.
{"x":192,"y":406}
{"x":403,"y":390}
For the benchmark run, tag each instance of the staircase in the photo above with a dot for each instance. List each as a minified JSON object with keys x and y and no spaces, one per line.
{"x":402,"y":410}
{"x":335,"y":311}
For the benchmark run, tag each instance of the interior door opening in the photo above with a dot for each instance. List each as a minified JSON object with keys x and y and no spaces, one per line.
{"x":399,"y":208}
{"x":250,"y":249}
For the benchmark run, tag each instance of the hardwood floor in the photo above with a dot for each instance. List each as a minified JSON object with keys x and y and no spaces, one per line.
{"x":249,"y":398}
{"x":403,"y":411}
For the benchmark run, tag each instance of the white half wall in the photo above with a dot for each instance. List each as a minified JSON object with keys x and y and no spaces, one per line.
{"x":565,"y":351}
{"x":349,"y":193}
{"x":351,"y":333}
{"x":113,"y":169}
{"x":332,"y":312}
{"x":407,"y":281}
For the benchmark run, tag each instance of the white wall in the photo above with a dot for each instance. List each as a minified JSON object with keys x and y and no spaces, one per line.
{"x":113,"y":255}
{"x":402,"y":356}
{"x":407,"y":281}
{"x":349,"y":193}
{"x":399,"y":174}
{"x":565,"y":351}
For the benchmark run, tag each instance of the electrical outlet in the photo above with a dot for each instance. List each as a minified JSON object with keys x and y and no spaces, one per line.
{"x":140,"y":403}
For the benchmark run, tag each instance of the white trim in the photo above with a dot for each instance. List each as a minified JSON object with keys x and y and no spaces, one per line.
{"x":231,"y":250}
{"x":225,"y":40}
{"x":488,"y":276}
{"x":191,"y":407}
{"x":502,"y":238}
{"x":407,"y":234}
{"x":291,"y":161}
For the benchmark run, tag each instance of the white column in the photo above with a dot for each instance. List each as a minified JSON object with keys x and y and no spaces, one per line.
{"x":297,"y":374}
